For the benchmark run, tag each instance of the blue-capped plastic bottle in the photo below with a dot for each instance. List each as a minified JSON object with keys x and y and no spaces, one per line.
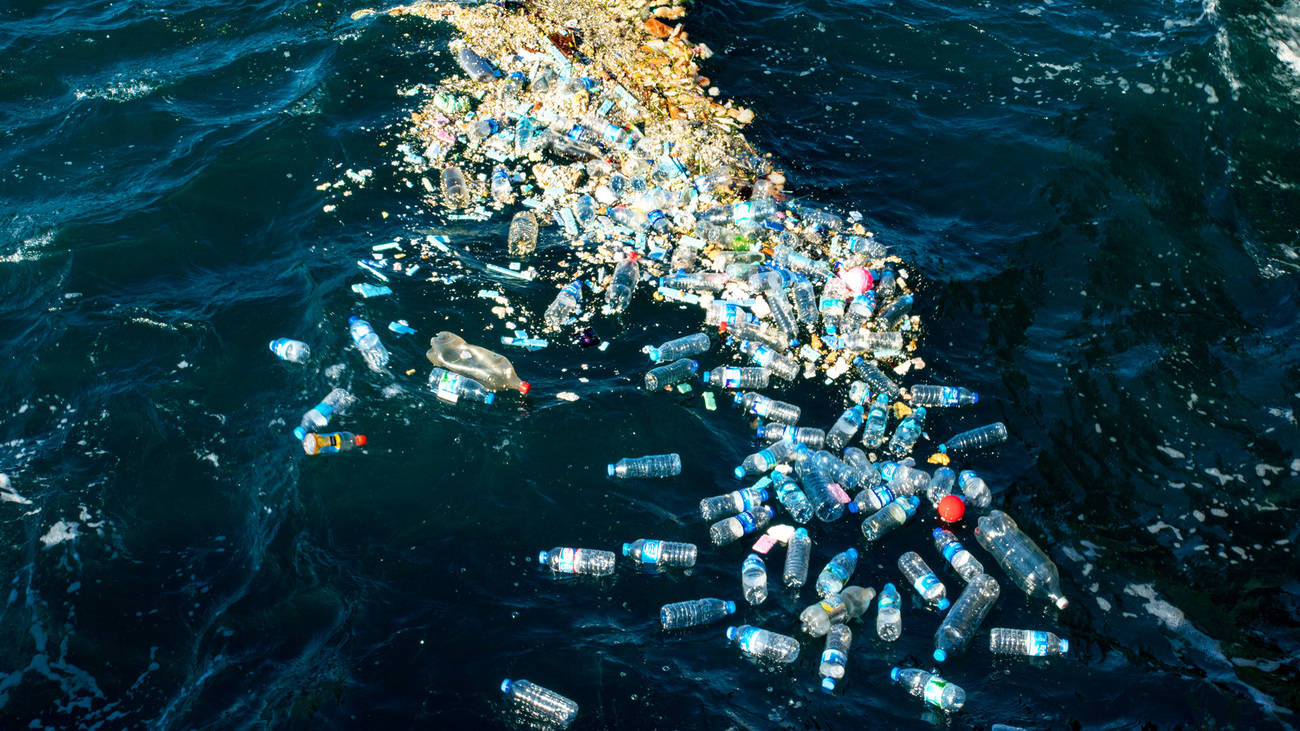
{"x":587,"y":561}
{"x":974,"y":490}
{"x":842,"y":432}
{"x":567,"y":304}
{"x":872,"y":499}
{"x":966,"y":565}
{"x":584,"y":211}
{"x":893,"y":314}
{"x":795,"y":573}
{"x":552,"y":709}
{"x":454,"y":192}
{"x":729,"y":313}
{"x":452,"y":387}
{"x":1026,"y":642}
{"x":904,"y":478}
{"x":835,"y":656}
{"x":738,"y":501}
{"x":786,"y":257}
{"x":876,"y":378}
{"x":501,"y":190}
{"x":874,"y":433}
{"x":753,"y":579}
{"x":792,"y":498}
{"x":647,"y":553}
{"x":859,"y":311}
{"x":747,"y":330}
{"x":683,"y":347}
{"x":809,"y":436}
{"x":963,"y":620}
{"x":886,"y":284}
{"x":908,"y":432}
{"x":827,"y":497}
{"x":623,"y":284}
{"x":834,"y":295}
{"x":294,"y":351}
{"x":764,"y":644}
{"x":779,"y":307}
{"x":670,"y":374}
{"x":832,"y":579}
{"x":835,"y":469}
{"x":985,"y":436}
{"x":889,"y":620}
{"x":694,"y":613}
{"x":521,"y":239}
{"x":934,"y":690}
{"x":765,"y":460}
{"x":940,"y":486}
{"x":654,"y":465}
{"x":318,"y":417}
{"x":892,"y":515}
{"x":713,"y":282}
{"x":732,"y":378}
{"x":367,"y":342}
{"x":765,"y":357}
{"x":931,"y":396}
{"x":729,"y":529}
{"x":866,"y":473}
{"x":770,"y":409}
{"x":922,"y":579}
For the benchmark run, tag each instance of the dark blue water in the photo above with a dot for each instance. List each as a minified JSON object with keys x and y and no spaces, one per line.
{"x":1098,"y":206}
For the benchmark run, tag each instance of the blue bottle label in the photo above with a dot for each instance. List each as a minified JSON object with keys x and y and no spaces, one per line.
{"x":650,"y":551}
{"x":747,"y":523}
{"x":949,"y":396}
{"x":325,"y":410}
{"x":832,"y":304}
{"x":448,"y":387}
{"x":933,"y":692}
{"x":888,"y":469}
{"x":763,"y":405}
{"x":924,"y":583}
{"x":835,"y":657}
{"x":881,"y":496}
{"x":1037,"y":644}
{"x":730,"y":377}
{"x":564,"y":560}
{"x":951,"y":550}
{"x":888,"y":601}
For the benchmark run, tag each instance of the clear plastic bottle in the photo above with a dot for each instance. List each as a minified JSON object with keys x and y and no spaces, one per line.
{"x":715,"y":508}
{"x":892,"y":315}
{"x":786,"y":257}
{"x":501,"y":190}
{"x":805,"y":300}
{"x":809,"y":436}
{"x":1022,"y":559}
{"x":933,"y":689}
{"x":908,"y":432}
{"x":896,"y":513}
{"x":682,"y":347}
{"x":779,"y":306}
{"x":729,"y":529}
{"x":959,"y":627}
{"x":584,"y":211}
{"x":931,"y":396}
{"x":922,"y":579}
{"x":450,"y":351}
{"x":865,"y":471}
{"x":646,"y":552}
{"x":670,"y":374}
{"x":588,"y":561}
{"x":874,"y":433}
{"x":886,"y":285}
{"x":474,"y":65}
{"x":774,"y":411}
{"x":889,"y":620}
{"x":974,"y":490}
{"x":732,"y":378}
{"x":452,"y":387}
{"x":831,"y":306}
{"x":868,"y":341}
{"x":522,"y":238}
{"x":685,"y":258}
{"x":875,"y":378}
{"x":940,"y":485}
{"x":966,"y":565}
{"x":318,"y":417}
{"x":712,"y":282}
{"x":294,"y":351}
{"x":694,"y":613}
{"x":367,"y":342}
{"x":623,"y":284}
{"x":844,"y":428}
{"x":553,"y":709}
{"x":766,"y":357}
{"x":454,"y":192}
{"x":859,"y":311}
{"x":985,"y":436}
{"x":837,"y":609}
{"x":764,"y":644}
{"x":873,"y":498}
{"x":1026,"y":642}
{"x":904,"y":478}
{"x":767,"y":459}
{"x":835,"y":469}
{"x":332,"y":443}
{"x":795,"y":573}
{"x":718,"y":313}
{"x":828,"y":498}
{"x":628,"y":217}
{"x":832,"y":579}
{"x":792,"y":498}
{"x":835,"y":656}
{"x":753,"y":578}
{"x":746,"y":330}
{"x":567,"y":304}
{"x":654,"y":465}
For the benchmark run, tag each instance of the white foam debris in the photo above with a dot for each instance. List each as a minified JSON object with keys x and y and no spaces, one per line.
{"x":1161,"y":525}
{"x":1072,"y":554}
{"x":1173,"y":453}
{"x":567,"y":396}
{"x":1218,"y":512}
{"x":1198,"y":515}
{"x":8,"y":494}
{"x":1105,"y":605}
{"x":60,"y":532}
{"x":1169,"y":615}
{"x":1262,"y":470}
{"x":1223,"y":479}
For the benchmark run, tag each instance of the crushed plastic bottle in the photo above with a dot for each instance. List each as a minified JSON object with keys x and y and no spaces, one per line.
{"x":670,"y":374}
{"x":797,"y":554}
{"x":895,"y":513}
{"x":332,"y":443}
{"x":566,"y":305}
{"x":835,"y":656}
{"x":729,"y":529}
{"x":648,"y":553}
{"x":985,"y":436}
{"x":844,"y":428}
{"x":1022,"y":559}
{"x":966,"y":565}
{"x":622,"y":286}
{"x":694,"y":613}
{"x":940,"y":486}
{"x":764,"y":644}
{"x":922,"y":579}
{"x":1026,"y":642}
{"x":889,"y":620}
{"x":974,"y":490}
{"x":847,"y":605}
{"x":774,"y":411}
{"x":586,"y":561}
{"x":550,"y":707}
{"x":714,"y":508}
{"x":452,"y":387}
{"x":931,"y":396}
{"x":963,"y":620}
{"x":865,"y":471}
{"x":832,"y":579}
{"x":765,"y":357}
{"x":318,"y":417}
{"x":682,"y":347}
{"x":809,"y":436}
{"x":827,"y":497}
{"x":294,"y":351}
{"x":654,"y":465}
{"x":494,"y":371}
{"x":522,"y":237}
{"x":367,"y":341}
{"x":753,"y":579}
{"x":874,"y":433}
{"x":934,"y":690}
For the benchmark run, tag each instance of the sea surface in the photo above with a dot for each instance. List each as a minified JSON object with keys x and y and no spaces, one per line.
{"x":1097,"y":204}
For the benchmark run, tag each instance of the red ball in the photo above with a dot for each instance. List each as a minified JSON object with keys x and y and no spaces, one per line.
{"x":951,"y":508}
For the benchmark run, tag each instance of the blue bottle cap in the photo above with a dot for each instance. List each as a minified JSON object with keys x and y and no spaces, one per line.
{"x":828,"y":685}
{"x":758,"y":432}
{"x":705,"y":376}
{"x":853,"y":553}
{"x":893,"y":674}
{"x":732,"y":632}
{"x":1065,"y":645}
{"x":610,"y":469}
{"x":975,"y":398}
{"x":654,"y":354}
{"x":695,"y":366}
{"x":943,"y":604}
{"x":731,"y":607}
{"x":763,"y":494}
{"x":300,"y":433}
{"x":543,"y":558}
{"x":353,"y":319}
{"x":490,"y":398}
{"x":852,"y":507}
{"x":740,"y":473}
{"x":505,"y":685}
{"x":940,"y":655}
{"x":627,"y":549}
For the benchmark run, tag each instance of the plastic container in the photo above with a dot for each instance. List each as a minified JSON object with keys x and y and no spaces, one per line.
{"x":835,"y":656}
{"x":682,"y":347}
{"x":587,"y":561}
{"x":963,"y":620}
{"x":893,"y":515}
{"x":847,"y":605}
{"x":866,"y":474}
{"x":792,"y":498}
{"x":566,"y":304}
{"x":985,"y":436}
{"x":500,"y":187}
{"x":832,"y":579}
{"x":922,"y":579}
{"x":844,"y":429}
{"x":827,"y":497}
{"x":809,"y":436}
{"x":875,"y":378}
{"x":780,"y":412}
{"x":766,"y":459}
{"x":522,"y":237}
{"x":474,"y":65}
{"x":332,"y":443}
{"x":729,"y":529}
{"x":1022,"y":559}
{"x":907,"y":433}
{"x":452,"y":387}
{"x":763,"y":644}
{"x":889,"y":620}
{"x":647,"y":553}
{"x":932,"y":396}
{"x":553,"y":709}
{"x":623,"y":284}
{"x":294,"y":351}
{"x":694,"y":613}
{"x":795,"y":572}
{"x":654,"y":465}
{"x":732,"y":378}
{"x":753,"y":579}
{"x":494,"y":371}
{"x":1026,"y":642}
{"x":318,"y":417}
{"x":738,"y":501}
{"x":940,"y":485}
{"x":367,"y":341}
{"x":877,"y":419}
{"x":454,"y":192}
{"x":974,"y":490}
{"x":934,"y":690}
{"x":766,"y":357}
{"x":966,"y":565}
{"x":670,"y":374}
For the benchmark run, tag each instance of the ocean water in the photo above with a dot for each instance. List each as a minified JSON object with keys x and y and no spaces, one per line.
{"x":1098,"y":204}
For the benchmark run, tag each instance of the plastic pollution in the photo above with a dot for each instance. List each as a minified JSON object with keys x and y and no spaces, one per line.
{"x":866,"y":474}
{"x":622,"y":286}
{"x":682,"y":347}
{"x":764,"y":644}
{"x":868,"y":341}
{"x":786,"y":257}
{"x":985,"y":436}
{"x":587,"y":561}
{"x":827,"y":497}
{"x":450,"y":351}
{"x":474,"y":65}
{"x":729,"y":529}
{"x":694,"y":613}
{"x":974,"y":490}
{"x":712,"y":282}
{"x":797,"y":554}
{"x":1022,"y":559}
{"x":889,"y":621}
{"x":542,"y":703}
{"x":749,"y":330}
{"x":451,"y":387}
{"x":966,"y":565}
{"x":940,"y":486}
{"x":332,"y":443}
{"x":660,"y":554}
{"x":779,"y":307}
{"x":584,"y":211}
{"x":885,"y":287}
{"x":453,"y":186}
{"x":856,"y":315}
{"x":908,"y":432}
{"x":958,"y":628}
{"x":566,"y":304}
{"x":834,"y":295}
{"x":918,"y":573}
{"x":522,"y":238}
{"x":805,"y":300}
{"x":501,"y":190}
{"x":775,"y":411}
{"x":764,"y":460}
{"x":893,"y":315}
{"x":733,"y":378}
{"x":809,"y":436}
{"x":904,"y":478}
{"x":670,"y":374}
{"x":837,"y":609}
{"x":629,"y":218}
{"x":753,"y":579}
{"x":765,"y":357}
{"x":931,"y":396}
{"x":294,"y":351}
{"x":874,"y":433}
{"x":933,"y":689}
{"x":654,"y":465}
{"x":368,"y":290}
{"x":872,"y":499}
{"x":792,"y":498}
{"x":1026,"y":642}
{"x":836,"y":470}
{"x":367,"y":342}
{"x":896,"y":513}
{"x":842,"y":432}
{"x":318,"y":417}
{"x":401,"y":327}
{"x":835,"y":656}
{"x":714,"y":508}
{"x":831,"y":580}
{"x":875,"y":378}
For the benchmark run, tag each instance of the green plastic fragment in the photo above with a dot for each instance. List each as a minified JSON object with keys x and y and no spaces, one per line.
{"x":683,"y":388}
{"x":710,"y":402}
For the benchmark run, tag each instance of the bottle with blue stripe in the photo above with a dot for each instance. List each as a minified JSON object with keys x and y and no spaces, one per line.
{"x":1026,"y":642}
{"x":738,"y":501}
{"x":889,"y":620}
{"x":832,"y":579}
{"x":835,"y":656}
{"x":792,"y":498}
{"x":895,"y":513}
{"x":874,"y":433}
{"x":727,"y":530}
{"x":318,"y":417}
{"x":970,"y":609}
{"x":922,"y":579}
{"x":908,"y":432}
{"x":842,"y":432}
{"x":966,"y":565}
{"x":649,"y":553}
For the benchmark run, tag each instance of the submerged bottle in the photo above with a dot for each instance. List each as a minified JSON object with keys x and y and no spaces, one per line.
{"x":494,"y":371}
{"x":889,"y":620}
{"x":522,"y":237}
{"x":985,"y":436}
{"x":908,"y":432}
{"x":713,"y":508}
{"x":452,"y":387}
{"x":694,"y":613}
{"x":896,"y":513}
{"x":682,"y":347}
{"x":875,"y":378}
{"x":795,"y":573}
{"x":294,"y":351}
{"x":501,"y":191}
{"x":753,"y":579}
{"x":567,"y":304}
{"x":832,"y":579}
{"x":474,"y":65}
{"x":732,"y":378}
{"x":966,"y":565}
{"x":867,"y":340}
{"x":1026,"y":642}
{"x":792,"y":498}
{"x":835,"y":656}
{"x":841,"y":433}
{"x":318,"y":417}
{"x":660,"y":554}
{"x":827,"y":497}
{"x":893,"y":315}
{"x":933,"y":689}
{"x":974,"y":490}
{"x":367,"y":342}
{"x":542,"y":703}
{"x":811,"y":437}
{"x":777,"y":411}
{"x":837,"y":609}
{"x":623,"y":284}
{"x":765,"y":357}
{"x":922,"y":579}
{"x":924,"y":395}
{"x":588,"y":561}
{"x":834,"y":294}
{"x":959,"y":627}
{"x":668,"y":375}
{"x":454,"y":191}
{"x":763,"y":644}
{"x":332,"y":443}
{"x":805,"y":300}
{"x":1022,"y":559}
{"x":729,"y":529}
{"x":654,"y":465}
{"x":877,"y":418}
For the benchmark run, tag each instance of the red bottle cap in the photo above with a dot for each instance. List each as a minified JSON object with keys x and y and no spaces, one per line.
{"x":524,"y":387}
{"x":951,"y":508}
{"x":360,"y":440}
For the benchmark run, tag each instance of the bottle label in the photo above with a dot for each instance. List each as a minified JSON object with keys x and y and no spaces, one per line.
{"x":449,"y":387}
{"x":563,"y":562}
{"x":888,"y":470}
{"x":832,"y":305}
{"x":835,"y":657}
{"x":1037,"y":644}
{"x":948,"y":396}
{"x":746,"y":520}
{"x":881,"y":496}
{"x":650,"y":551}
{"x":832,"y":605}
{"x":924,"y":583}
{"x":325,"y":410}
{"x":933,"y":692}
{"x":888,"y":601}
{"x":951,"y":549}
{"x":730,"y":378}
{"x":762,"y":405}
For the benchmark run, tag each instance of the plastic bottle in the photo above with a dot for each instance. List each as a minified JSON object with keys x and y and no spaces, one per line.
{"x":647,"y":553}
{"x":985,"y":436}
{"x":753,"y":578}
{"x":367,"y":341}
{"x":450,"y":351}
{"x":792,"y":498}
{"x":748,"y":330}
{"x":835,"y":656}
{"x":786,"y":257}
{"x":779,"y":306}
{"x":868,"y":341}
{"x":670,"y":374}
{"x":628,"y":218}
{"x":959,"y":627}
{"x":451,"y":387}
{"x":805,"y":300}
{"x":738,"y":501}
{"x":584,"y":211}
{"x":682,"y":347}
{"x":886,"y":285}
{"x":834,"y":294}
{"x":893,"y":315}
{"x":553,"y":709}
{"x":931,"y":396}
{"x":567,"y":304}
{"x":940,"y":485}
{"x":654,"y":465}
{"x":732,"y":378}
{"x":730,"y":313}
{"x":835,"y":469}
{"x":1026,"y":642}
{"x":621,"y":287}
{"x":729,"y":529}
{"x":865,"y":471}
{"x":874,"y":498}
{"x":712,"y":282}
{"x":766,"y":357}
{"x":966,"y":565}
{"x":837,"y":609}
{"x":774,"y":411}
{"x":832,"y":579}
{"x":795,"y":573}
{"x":318,"y":417}
{"x":332,"y":443}
{"x":856,"y":315}
{"x":933,"y":689}
{"x":294,"y":351}
{"x":908,"y":432}
{"x":522,"y":238}
{"x":474,"y":65}
{"x":454,"y":191}
{"x":828,"y":498}
{"x":763,"y":644}
{"x":875,"y":378}
{"x":1022,"y":559}
{"x":904,"y":478}
{"x":923,"y":579}
{"x":694,"y":613}
{"x":842,"y":432}
{"x":811,"y":437}
{"x":889,"y":620}
{"x":765,"y":460}
{"x":874,"y":433}
{"x":859,"y":393}
{"x":501,"y":190}
{"x":974,"y":490}
{"x":896,"y":513}
{"x":588,"y":561}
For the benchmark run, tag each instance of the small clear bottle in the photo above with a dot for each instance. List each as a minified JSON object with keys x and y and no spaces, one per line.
{"x":859,"y":311}
{"x":792,"y":498}
{"x":959,"y":626}
{"x":795,"y":573}
{"x":831,"y":306}
{"x":452,"y":387}
{"x":974,"y":490}
{"x":670,"y":374}
{"x":521,"y":240}
{"x":892,"y":315}
{"x":904,"y":478}
{"x":933,"y":689}
{"x":454,"y":191}
{"x":896,"y":513}
{"x":805,"y":300}
{"x":682,"y":347}
{"x":654,"y":465}
{"x":294,"y":351}
{"x":647,"y":553}
{"x":764,"y":644}
{"x":753,"y":578}
{"x":873,"y":499}
{"x":841,"y":433}
{"x":812,"y":437}
{"x":780,"y":412}
{"x":877,"y":419}
{"x":765,"y":357}
{"x":869,"y":341}
{"x":832,"y":579}
{"x":694,"y":613}
{"x":367,"y":342}
{"x":1026,"y":642}
{"x":837,"y":609}
{"x":876,"y":378}
{"x":985,"y":436}
{"x":922,"y":579}
{"x":501,"y":190}
{"x":553,"y":709}
{"x":926,"y":395}
{"x":836,"y":655}
{"x":867,"y":474}
{"x":567,"y":304}
{"x":727,"y":530}
{"x":889,"y":620}
{"x":907,"y":433}
{"x":588,"y":561}
{"x":966,"y":565}
{"x":940,"y":486}
{"x":828,"y":498}
{"x":766,"y":459}
{"x":733,"y":378}
{"x":738,"y":501}
{"x":623,"y":284}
